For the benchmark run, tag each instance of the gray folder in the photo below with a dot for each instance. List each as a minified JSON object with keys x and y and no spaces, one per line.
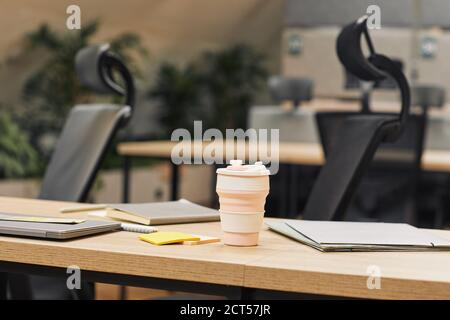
{"x":359,"y":236}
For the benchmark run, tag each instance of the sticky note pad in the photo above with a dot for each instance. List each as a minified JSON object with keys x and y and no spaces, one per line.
{"x":167,"y":237}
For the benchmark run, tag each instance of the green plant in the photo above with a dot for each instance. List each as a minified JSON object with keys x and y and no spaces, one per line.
{"x":218,"y":88}
{"x":177,"y":91}
{"x":231,"y":78}
{"x":53,"y":88}
{"x":17,"y":156}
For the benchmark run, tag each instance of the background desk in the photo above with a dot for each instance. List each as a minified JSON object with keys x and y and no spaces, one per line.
{"x":290,"y":153}
{"x":299,"y":125}
{"x":278,"y":263}
{"x":300,"y":144}
{"x":297,"y":153}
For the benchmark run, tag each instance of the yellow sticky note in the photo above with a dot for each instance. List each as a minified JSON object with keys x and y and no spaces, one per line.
{"x":167,"y":237}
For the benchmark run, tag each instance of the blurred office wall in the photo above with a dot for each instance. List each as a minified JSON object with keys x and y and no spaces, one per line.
{"x":174,"y":30}
{"x":397,"y":13}
{"x":171,"y":30}
{"x":315,"y":25}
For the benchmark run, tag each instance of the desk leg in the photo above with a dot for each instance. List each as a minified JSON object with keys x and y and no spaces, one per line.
{"x":126,"y":179}
{"x":3,"y":285}
{"x":247,"y":293}
{"x":293,"y":191}
{"x":174,"y":182}
{"x":284,"y":190}
{"x":123,"y":293}
{"x":125,"y":199}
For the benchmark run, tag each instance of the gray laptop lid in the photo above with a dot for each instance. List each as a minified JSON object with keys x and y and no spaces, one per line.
{"x":55,"y":230}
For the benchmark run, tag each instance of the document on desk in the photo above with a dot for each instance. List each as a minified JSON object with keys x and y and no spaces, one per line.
{"x":154,"y":213}
{"x":359,"y":236}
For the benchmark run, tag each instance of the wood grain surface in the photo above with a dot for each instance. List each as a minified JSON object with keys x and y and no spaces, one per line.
{"x":277,"y":263}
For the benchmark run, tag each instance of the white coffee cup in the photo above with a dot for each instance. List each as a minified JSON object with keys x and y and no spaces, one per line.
{"x":242,"y":191}
{"x":241,"y":222}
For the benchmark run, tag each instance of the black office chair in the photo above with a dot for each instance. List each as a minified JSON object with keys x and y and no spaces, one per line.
{"x":388,"y":190}
{"x":291,"y":89}
{"x":359,"y":135}
{"x":82,"y":145}
{"x":353,"y":82}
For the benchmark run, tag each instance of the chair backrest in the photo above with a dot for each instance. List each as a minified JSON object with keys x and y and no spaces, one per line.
{"x":404,"y":153}
{"x":89,"y":129}
{"x":388,"y":187}
{"x":296,"y":90}
{"x":82,"y":145}
{"x":361,"y":134}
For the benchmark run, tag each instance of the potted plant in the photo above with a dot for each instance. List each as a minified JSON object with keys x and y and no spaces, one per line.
{"x":218,"y":88}
{"x":231,"y":78}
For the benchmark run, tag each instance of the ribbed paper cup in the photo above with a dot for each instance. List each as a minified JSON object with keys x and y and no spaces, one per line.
{"x":240,"y":239}
{"x":242,"y":194}
{"x":241,"y":222}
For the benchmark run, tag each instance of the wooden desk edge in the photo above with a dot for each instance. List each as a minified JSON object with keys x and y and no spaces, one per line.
{"x":234,"y":272}
{"x":154,"y":266}
{"x":342,"y":285}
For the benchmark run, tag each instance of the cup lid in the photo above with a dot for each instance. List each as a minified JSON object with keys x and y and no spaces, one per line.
{"x":237,"y":168}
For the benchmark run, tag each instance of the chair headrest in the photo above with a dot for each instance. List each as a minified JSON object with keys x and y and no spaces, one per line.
{"x":95,"y":66}
{"x":350,"y":53}
{"x":90,"y":68}
{"x":374,"y":68}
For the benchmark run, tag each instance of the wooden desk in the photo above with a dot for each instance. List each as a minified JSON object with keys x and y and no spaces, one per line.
{"x":290,"y":153}
{"x":278,"y":263}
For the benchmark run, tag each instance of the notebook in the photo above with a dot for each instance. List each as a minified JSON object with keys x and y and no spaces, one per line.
{"x":359,"y":236}
{"x":154,"y":213}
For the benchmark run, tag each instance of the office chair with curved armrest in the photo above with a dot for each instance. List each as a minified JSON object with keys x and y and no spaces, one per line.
{"x":389,"y":190}
{"x":89,"y":129}
{"x":295,"y":90}
{"x":361,"y":134}
{"x":82,"y":145}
